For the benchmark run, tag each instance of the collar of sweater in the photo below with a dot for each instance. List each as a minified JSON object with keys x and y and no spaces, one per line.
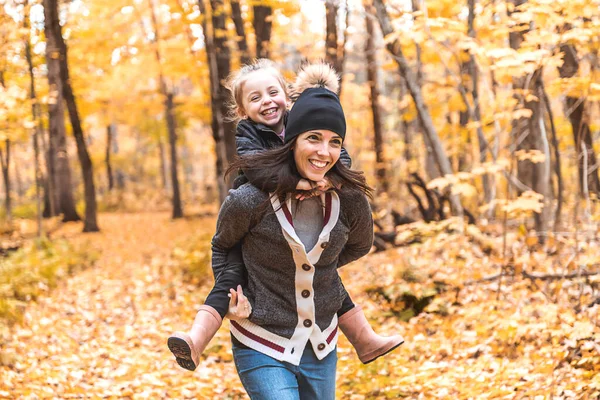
{"x":331,"y":214}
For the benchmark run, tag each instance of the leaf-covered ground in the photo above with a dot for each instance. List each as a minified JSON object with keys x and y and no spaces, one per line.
{"x":102,"y":333}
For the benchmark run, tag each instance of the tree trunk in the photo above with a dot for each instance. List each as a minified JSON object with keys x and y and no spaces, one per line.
{"x":262,"y":28}
{"x":50,"y":189}
{"x":109,"y":141}
{"x":217,"y":117}
{"x":90,"y":223}
{"x":35,"y":112}
{"x":557,"y":162}
{"x":575,"y":111}
{"x":48,"y":181}
{"x":342,"y":48}
{"x":170,"y":120}
{"x":163,"y":163}
{"x":87,"y":170}
{"x":488,"y":181}
{"x":60,"y":171}
{"x":187,"y":164}
{"x":335,"y":52}
{"x":404,"y":128}
{"x":5,"y":162}
{"x":119,"y":175}
{"x":431,"y":167}
{"x":415,"y":91}
{"x":223,"y":59}
{"x":18,"y":178}
{"x":372,"y":77}
{"x":218,"y":57}
{"x":242,"y":42}
{"x":419,"y":67}
{"x":177,"y":207}
{"x":331,"y":32}
{"x":38,"y":178}
{"x":463,"y":119}
{"x":527,"y":133}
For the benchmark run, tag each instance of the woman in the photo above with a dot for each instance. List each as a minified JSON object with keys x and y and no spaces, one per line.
{"x":259,"y":98}
{"x":286,"y":348}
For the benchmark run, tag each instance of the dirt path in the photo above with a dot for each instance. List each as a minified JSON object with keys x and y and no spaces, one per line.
{"x":102,"y":334}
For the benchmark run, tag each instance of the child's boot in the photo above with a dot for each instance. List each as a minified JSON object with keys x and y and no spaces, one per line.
{"x":368,"y":345}
{"x":187,"y":347}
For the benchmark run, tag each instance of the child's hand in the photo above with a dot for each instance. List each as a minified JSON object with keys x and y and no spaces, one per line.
{"x":239,"y":306}
{"x":316,"y":189}
{"x":304,"y":184}
{"x":324,"y":184}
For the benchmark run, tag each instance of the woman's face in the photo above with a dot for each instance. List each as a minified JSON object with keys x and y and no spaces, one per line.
{"x":315,"y":153}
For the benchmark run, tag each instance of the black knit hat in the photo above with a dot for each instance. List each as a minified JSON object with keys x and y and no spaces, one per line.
{"x":316,"y":108}
{"x":317,"y":105}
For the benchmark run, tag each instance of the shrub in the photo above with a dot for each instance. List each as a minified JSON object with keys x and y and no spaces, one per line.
{"x":35,"y":269}
{"x":193,"y":257}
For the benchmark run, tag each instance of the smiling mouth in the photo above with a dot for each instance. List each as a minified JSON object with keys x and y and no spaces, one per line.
{"x":318,"y":164}
{"x":270,"y":111}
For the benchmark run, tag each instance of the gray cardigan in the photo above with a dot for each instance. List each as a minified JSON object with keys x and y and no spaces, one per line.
{"x":294,"y":294}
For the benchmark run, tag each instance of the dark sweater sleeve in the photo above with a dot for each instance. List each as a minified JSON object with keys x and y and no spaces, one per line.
{"x":248,"y":146}
{"x":345,"y":158}
{"x":230,"y":277}
{"x":227,"y":262}
{"x":360,"y":237}
{"x":233,"y":223}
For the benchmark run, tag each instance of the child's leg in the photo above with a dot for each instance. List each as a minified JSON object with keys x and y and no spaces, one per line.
{"x":218,"y":298}
{"x":187,"y":346}
{"x":347,"y":305}
{"x":233,"y":274}
{"x":368,"y":345}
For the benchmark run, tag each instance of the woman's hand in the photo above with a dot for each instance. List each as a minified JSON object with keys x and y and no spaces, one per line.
{"x":312,"y":188}
{"x":239,"y":306}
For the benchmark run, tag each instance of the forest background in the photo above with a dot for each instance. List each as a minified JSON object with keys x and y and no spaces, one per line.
{"x":477,"y":122}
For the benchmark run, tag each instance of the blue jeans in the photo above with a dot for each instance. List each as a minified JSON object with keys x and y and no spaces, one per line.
{"x":265,"y":378}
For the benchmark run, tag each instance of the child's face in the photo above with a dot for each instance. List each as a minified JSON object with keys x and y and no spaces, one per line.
{"x":315,"y":153}
{"x":264,"y":100}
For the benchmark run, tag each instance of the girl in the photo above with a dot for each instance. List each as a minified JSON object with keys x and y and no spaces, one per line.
{"x":260,"y":102}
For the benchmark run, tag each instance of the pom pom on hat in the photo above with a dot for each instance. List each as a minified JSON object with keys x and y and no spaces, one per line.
{"x":317,"y":105}
{"x":318,"y":75}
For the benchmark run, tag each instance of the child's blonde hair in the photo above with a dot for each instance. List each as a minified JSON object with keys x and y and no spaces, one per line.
{"x":236,"y":80}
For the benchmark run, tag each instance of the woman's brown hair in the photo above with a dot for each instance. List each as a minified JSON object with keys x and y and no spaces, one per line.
{"x":277,"y":169}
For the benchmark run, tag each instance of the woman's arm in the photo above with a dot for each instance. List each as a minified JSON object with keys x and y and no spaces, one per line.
{"x":231,"y":275}
{"x":227,"y":262}
{"x":233,"y":223}
{"x":360,"y":237}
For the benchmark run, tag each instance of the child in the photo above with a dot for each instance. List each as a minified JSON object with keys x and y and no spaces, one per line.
{"x":260,"y":103}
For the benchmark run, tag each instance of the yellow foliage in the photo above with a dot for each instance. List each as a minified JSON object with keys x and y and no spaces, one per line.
{"x":464,"y":189}
{"x":535,"y":156}
{"x":35,"y":269}
{"x":456,"y":103}
{"x":528,"y":201}
{"x":522,"y":113}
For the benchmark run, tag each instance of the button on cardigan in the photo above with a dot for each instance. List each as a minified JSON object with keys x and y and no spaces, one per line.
{"x":283,"y":321}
